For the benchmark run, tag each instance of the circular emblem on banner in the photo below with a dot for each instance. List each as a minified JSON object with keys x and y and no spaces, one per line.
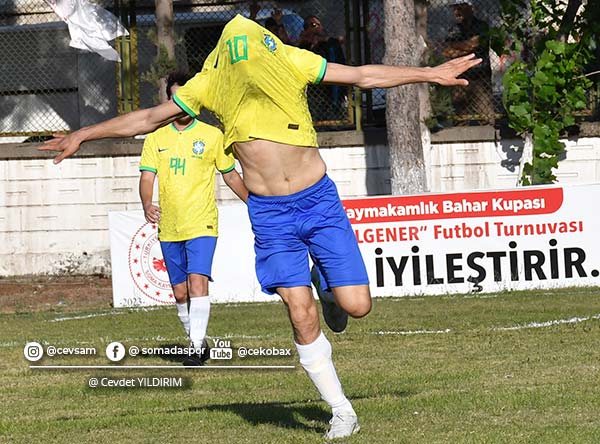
{"x":147,"y":266}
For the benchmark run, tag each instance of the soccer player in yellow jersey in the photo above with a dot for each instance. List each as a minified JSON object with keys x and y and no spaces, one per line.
{"x":184,"y":155}
{"x":256,"y":85}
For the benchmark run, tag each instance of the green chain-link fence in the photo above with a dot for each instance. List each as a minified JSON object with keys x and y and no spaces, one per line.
{"x":46,"y":86}
{"x":456,"y":28}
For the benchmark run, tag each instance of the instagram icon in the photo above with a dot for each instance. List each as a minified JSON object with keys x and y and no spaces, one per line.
{"x":33,"y":351}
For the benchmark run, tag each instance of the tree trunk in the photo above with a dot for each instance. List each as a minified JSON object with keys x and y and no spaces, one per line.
{"x":568,"y":19}
{"x":164,"y":38}
{"x":526,"y":157}
{"x":407,"y":165}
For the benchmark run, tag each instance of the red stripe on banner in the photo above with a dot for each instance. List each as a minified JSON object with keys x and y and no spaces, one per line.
{"x":453,"y":206}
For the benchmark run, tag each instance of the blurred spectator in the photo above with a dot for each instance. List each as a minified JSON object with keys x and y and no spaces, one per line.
{"x":471,"y":35}
{"x":273,"y":23}
{"x":327,"y":102}
{"x":315,"y":39}
{"x":254,"y":9}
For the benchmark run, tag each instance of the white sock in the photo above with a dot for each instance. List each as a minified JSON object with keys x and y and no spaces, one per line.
{"x":184,"y":317}
{"x":199,"y":314}
{"x":316,"y":360}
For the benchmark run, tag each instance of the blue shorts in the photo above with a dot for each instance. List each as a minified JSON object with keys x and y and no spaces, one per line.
{"x":289,"y":228}
{"x":193,"y":256}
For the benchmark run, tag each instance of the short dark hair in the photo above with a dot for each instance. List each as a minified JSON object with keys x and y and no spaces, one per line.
{"x":177,"y":78}
{"x":270,"y":23}
{"x":307,"y":20}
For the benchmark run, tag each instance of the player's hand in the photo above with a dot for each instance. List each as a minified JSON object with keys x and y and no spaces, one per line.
{"x":67,"y":145}
{"x":152,"y":214}
{"x":446,"y":74}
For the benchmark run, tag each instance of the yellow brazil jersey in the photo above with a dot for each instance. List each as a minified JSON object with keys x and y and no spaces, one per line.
{"x":256,"y":85}
{"x":185,"y":163}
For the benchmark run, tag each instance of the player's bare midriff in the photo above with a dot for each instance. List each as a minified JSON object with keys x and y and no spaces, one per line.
{"x":276,"y":169}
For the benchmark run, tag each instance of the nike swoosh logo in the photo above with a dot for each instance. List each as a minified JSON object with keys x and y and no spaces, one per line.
{"x":164,"y":149}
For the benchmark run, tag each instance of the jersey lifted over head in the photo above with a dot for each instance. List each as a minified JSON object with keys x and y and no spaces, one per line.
{"x":256,"y":86}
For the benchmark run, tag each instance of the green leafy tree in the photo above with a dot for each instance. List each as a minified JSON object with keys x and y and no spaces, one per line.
{"x":553,"y":41}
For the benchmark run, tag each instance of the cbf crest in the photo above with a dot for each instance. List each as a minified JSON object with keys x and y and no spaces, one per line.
{"x":270,"y":42}
{"x":198,"y":148}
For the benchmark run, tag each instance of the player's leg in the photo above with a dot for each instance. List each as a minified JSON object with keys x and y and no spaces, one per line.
{"x":200,"y":253}
{"x":337,"y":257}
{"x":302,"y":312}
{"x":315,"y":353}
{"x":199,"y":309}
{"x":175,"y":262}
{"x":353,"y":299}
{"x":335,"y":317}
{"x":282,"y":266}
{"x":180,"y":292}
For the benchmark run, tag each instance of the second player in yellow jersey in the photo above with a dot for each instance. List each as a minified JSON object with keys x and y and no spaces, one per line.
{"x":184,"y":156}
{"x":185,"y":162}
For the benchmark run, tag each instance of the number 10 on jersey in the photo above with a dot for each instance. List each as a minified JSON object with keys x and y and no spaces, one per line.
{"x":238,"y":48}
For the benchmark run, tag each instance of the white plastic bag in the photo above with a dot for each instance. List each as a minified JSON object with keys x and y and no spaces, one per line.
{"x":90,"y":26}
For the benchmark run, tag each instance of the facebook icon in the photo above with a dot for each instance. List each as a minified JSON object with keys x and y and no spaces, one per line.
{"x":115,"y":351}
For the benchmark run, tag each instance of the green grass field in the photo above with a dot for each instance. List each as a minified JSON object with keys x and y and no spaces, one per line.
{"x":454,"y":369}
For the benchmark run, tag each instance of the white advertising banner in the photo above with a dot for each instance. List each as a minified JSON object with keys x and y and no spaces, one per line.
{"x":534,"y":237}
{"x":139,"y":275}
{"x":429,"y":244}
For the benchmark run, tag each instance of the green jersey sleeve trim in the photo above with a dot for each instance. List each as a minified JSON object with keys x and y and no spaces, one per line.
{"x":228,"y":169}
{"x":183,"y":106}
{"x":322,"y":72}
{"x":145,"y":168}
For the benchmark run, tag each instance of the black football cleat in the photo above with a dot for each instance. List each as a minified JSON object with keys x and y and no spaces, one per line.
{"x":198,"y":359}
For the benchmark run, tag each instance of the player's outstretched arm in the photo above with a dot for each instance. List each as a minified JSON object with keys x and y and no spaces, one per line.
{"x":385,"y":76}
{"x":127,"y":125}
